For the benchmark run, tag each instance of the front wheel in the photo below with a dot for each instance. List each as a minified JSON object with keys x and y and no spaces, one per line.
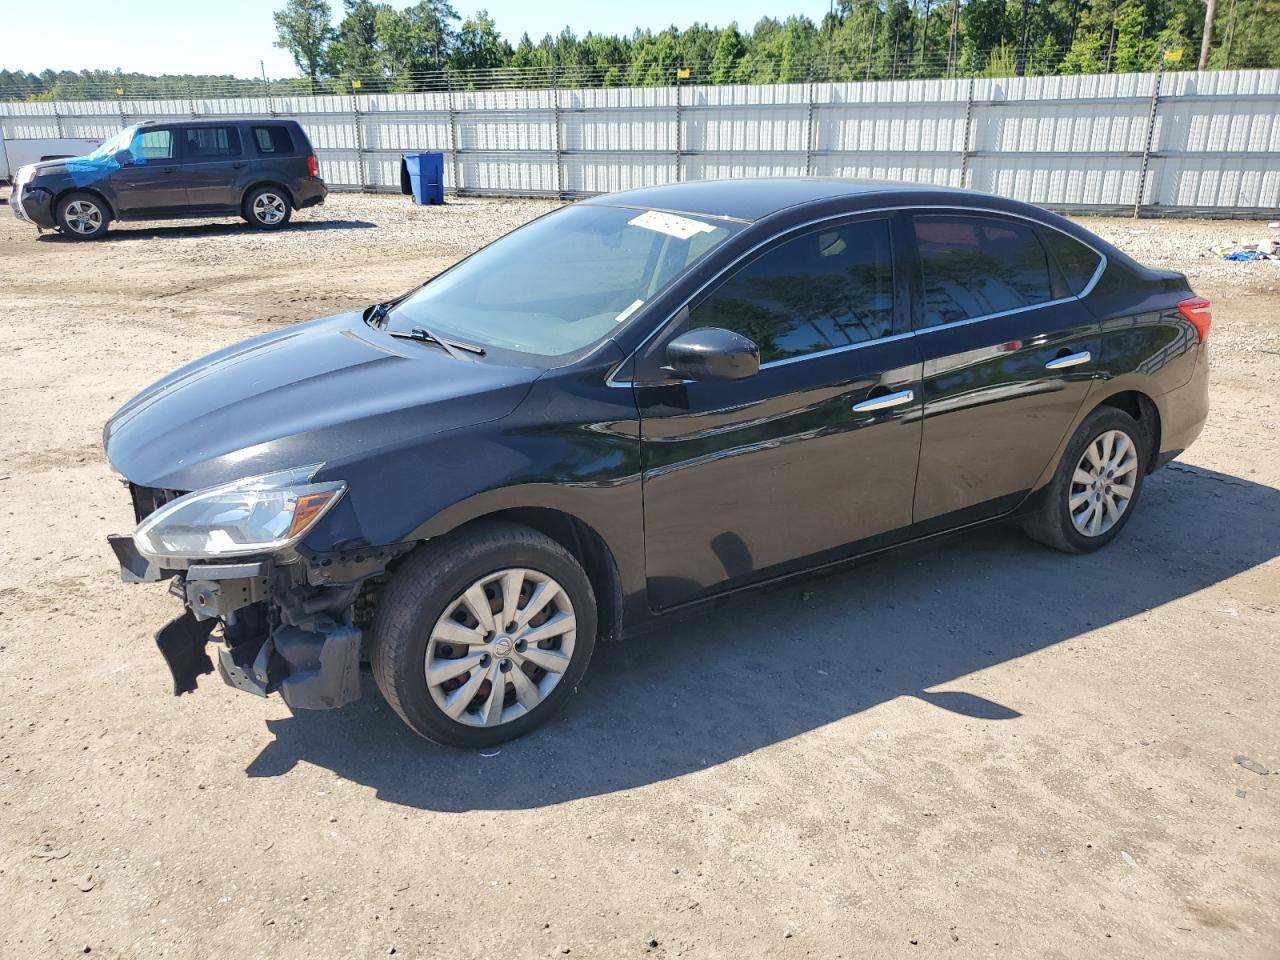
{"x":267,"y":208}
{"x":82,"y":216}
{"x":1094,"y":491}
{"x":482,"y":636}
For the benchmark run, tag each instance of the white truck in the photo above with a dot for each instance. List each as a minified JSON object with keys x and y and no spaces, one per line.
{"x":17,"y":153}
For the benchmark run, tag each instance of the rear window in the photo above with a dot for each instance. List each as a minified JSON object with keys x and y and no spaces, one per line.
{"x":1077,"y":262}
{"x":212,"y":143}
{"x":273,"y":139}
{"x":975,"y":266}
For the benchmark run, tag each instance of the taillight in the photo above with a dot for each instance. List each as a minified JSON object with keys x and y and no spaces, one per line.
{"x":313,"y":167}
{"x":1196,"y":309}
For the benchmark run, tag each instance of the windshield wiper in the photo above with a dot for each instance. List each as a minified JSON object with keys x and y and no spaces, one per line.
{"x":450,"y":347}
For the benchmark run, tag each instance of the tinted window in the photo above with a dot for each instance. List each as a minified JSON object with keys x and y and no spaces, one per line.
{"x":152,"y":145}
{"x":212,"y":143}
{"x":973,"y":266}
{"x":562,"y":282}
{"x":1076,"y":261}
{"x":827,"y":289}
{"x":273,"y":139}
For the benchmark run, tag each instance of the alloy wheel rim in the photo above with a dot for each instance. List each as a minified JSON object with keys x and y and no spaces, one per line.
{"x":268,"y":208}
{"x":83,"y":217}
{"x":1103,"y":483}
{"x":500,"y":647}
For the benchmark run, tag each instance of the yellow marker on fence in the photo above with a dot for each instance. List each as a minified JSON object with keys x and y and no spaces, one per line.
{"x":1172,"y":56}
{"x":682,"y":73}
{"x":119,"y":91}
{"x":355,"y":84}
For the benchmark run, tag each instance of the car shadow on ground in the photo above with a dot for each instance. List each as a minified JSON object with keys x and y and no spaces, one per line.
{"x":134,"y":231}
{"x":779,"y":663}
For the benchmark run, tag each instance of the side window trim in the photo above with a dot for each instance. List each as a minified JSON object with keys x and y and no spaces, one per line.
{"x":666,"y":328}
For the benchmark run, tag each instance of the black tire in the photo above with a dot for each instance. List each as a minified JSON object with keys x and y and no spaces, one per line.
{"x":422,"y":590}
{"x":267,"y":208}
{"x":82,"y":216}
{"x":1052,"y":523}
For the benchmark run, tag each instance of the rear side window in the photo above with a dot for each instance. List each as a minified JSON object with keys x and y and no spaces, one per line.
{"x":823,"y":290}
{"x":273,"y":139}
{"x":1077,"y":262}
{"x":212,"y":143}
{"x":975,"y":266}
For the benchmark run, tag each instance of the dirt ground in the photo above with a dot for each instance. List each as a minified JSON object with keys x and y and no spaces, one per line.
{"x":979,"y":748}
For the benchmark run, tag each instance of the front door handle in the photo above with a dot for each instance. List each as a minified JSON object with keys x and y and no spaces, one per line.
{"x":1070,"y":360}
{"x":884,"y":401}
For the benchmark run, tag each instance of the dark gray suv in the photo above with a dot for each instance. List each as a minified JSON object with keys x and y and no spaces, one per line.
{"x":261,"y":170}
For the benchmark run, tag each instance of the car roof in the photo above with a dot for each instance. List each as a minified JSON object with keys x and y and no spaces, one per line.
{"x":216,"y":122}
{"x":751,"y":199}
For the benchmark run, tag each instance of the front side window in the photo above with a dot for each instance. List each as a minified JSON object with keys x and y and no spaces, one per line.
{"x":212,"y":143}
{"x":152,"y":145}
{"x":975,"y":266}
{"x":559,"y":285}
{"x":820,"y":291}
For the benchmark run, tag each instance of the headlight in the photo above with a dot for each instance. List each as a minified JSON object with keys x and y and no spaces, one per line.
{"x":263,"y":514}
{"x":25,"y":175}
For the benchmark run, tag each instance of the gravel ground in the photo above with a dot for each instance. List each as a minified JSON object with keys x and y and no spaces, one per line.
{"x":978,"y":748}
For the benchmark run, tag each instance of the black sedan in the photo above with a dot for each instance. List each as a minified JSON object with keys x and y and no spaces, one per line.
{"x":636,"y":403}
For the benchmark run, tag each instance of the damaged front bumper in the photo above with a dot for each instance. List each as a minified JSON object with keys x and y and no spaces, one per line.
{"x":293,"y":628}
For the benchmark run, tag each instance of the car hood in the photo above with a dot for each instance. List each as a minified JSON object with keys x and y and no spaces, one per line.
{"x":51,"y":167}
{"x":330,"y":391}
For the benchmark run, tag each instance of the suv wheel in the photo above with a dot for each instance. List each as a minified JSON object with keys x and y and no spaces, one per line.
{"x":82,"y":216}
{"x":1096,"y":487}
{"x":482,"y":636}
{"x":267,"y":208}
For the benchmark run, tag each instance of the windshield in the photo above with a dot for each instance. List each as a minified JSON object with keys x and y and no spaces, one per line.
{"x":561,"y":283}
{"x":119,"y":142}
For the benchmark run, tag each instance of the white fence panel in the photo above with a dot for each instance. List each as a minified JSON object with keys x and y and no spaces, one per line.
{"x":1193,"y":142}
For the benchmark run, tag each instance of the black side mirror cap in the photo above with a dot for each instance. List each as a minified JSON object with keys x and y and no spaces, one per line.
{"x":710,"y":353}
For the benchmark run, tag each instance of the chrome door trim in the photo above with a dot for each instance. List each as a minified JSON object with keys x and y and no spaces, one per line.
{"x":884,"y":402}
{"x":1070,"y":360}
{"x":849,"y":215}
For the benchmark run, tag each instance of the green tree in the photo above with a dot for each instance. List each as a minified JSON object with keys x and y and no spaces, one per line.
{"x":355,"y":51}
{"x":730,"y":48}
{"x":304,"y":29}
{"x":478,"y":46}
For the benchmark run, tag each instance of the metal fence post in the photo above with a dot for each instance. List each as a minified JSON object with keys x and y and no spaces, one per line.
{"x":679,"y":134}
{"x":1146,"y":149}
{"x":555,"y":92}
{"x":810,"y":134}
{"x":57,"y":119}
{"x":355,"y":116}
{"x":968,"y":126}
{"x":453,"y":137}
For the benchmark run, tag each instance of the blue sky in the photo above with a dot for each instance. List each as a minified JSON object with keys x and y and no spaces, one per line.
{"x":231,"y":36}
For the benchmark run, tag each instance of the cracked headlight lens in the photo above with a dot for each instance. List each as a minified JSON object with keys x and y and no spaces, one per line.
{"x":264,"y":514}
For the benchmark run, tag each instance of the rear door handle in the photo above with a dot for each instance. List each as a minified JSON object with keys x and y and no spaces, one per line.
{"x":236,"y":166}
{"x":884,"y":401}
{"x":1070,"y":360}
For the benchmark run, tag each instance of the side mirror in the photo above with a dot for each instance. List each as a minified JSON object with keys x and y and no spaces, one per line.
{"x":711,"y":353}
{"x":123,"y":157}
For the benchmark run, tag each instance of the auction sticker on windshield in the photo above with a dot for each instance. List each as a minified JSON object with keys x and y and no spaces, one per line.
{"x":673,"y":225}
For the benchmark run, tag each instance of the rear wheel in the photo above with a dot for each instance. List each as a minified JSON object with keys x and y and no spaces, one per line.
{"x":82,"y":216}
{"x":481,"y":637}
{"x":267,"y":208}
{"x":1096,"y":486}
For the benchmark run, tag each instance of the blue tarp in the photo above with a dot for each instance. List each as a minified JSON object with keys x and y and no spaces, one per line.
{"x":90,"y":169}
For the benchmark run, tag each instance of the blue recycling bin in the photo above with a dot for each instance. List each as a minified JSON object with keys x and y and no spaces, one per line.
{"x":422,"y":174}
